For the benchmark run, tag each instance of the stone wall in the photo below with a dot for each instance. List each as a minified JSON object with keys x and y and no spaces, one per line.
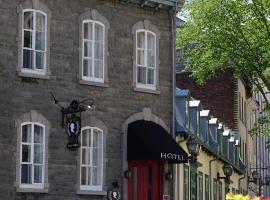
{"x":113,"y":104}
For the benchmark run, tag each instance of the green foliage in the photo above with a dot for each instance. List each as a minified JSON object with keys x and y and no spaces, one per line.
{"x":222,"y":34}
{"x":228,"y":34}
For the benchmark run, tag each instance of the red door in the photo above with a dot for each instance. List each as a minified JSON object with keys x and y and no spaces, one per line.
{"x":146,"y":181}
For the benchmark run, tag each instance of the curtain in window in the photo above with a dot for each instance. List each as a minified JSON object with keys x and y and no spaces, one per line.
{"x":32,"y":154}
{"x":93,"y":51}
{"x":91,"y":159}
{"x":34,"y":40}
{"x":146,"y":57}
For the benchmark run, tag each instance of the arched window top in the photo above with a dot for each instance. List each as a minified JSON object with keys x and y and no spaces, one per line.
{"x":34,"y":10}
{"x":148,"y":31}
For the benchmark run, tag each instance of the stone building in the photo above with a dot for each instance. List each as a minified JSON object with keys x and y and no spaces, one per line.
{"x":119,"y":53}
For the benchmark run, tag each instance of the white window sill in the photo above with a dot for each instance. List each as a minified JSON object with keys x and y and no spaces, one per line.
{"x":146,"y":90}
{"x":32,"y":190}
{"x":33,"y":75}
{"x":92,"y":83}
{"x":88,"y":192}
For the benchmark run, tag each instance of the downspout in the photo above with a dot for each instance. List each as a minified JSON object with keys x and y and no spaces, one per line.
{"x":210,"y":177}
{"x":172,"y":22}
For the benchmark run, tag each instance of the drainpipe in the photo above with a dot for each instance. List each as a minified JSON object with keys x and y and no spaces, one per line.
{"x":172,"y":21}
{"x":210,"y":177}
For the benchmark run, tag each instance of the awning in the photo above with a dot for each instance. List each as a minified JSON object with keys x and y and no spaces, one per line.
{"x":148,"y":141}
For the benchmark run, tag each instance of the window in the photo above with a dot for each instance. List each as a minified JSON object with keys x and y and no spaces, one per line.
{"x":91,"y":162}
{"x":93,"y":51}
{"x":220,"y":190}
{"x":186,"y":182}
{"x":146,"y":59}
{"x":32,"y":155}
{"x":207,"y":187}
{"x":34,"y":40}
{"x":200,"y":186}
{"x":215,"y":189}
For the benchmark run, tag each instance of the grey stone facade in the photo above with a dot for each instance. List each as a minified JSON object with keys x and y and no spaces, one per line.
{"x":113,"y":104}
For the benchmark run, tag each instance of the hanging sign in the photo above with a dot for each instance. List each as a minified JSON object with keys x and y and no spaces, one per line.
{"x":73,"y":127}
{"x":113,"y":195}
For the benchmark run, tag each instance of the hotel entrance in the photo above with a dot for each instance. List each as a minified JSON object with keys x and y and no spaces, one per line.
{"x":146,"y":181}
{"x":149,"y":148}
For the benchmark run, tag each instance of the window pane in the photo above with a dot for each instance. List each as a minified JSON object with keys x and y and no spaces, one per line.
{"x":40,"y":22}
{"x":140,"y":39}
{"x":84,"y":137}
{"x":140,"y":57}
{"x":98,"y":50}
{"x":38,"y":154}
{"x":28,"y":20}
{"x":150,"y":76}
{"x":26,"y":153}
{"x":98,"y":33}
{"x":38,"y":134}
{"x":96,"y":157}
{"x":150,"y":41}
{"x":89,"y":175}
{"x":40,"y":31}
{"x":40,"y":60}
{"x":150,"y":58}
{"x":26,"y":174}
{"x":28,"y":59}
{"x":96,"y":138}
{"x":38,"y":174}
{"x":83,"y":175}
{"x":85,"y":157}
{"x":26,"y":133}
{"x":87,"y":30}
{"x":27,"y":39}
{"x":98,"y":70}
{"x":40,"y":41}
{"x":141,"y":75}
{"x":88,"y":49}
{"x":96,"y":179}
{"x":87,"y":67}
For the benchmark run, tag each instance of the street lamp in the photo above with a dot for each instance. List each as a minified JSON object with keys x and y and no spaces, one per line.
{"x":193,"y":148}
{"x":227,"y":170}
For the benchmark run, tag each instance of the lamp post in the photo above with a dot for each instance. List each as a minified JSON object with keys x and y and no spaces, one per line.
{"x":257,"y":179}
{"x":193,"y":149}
{"x":227,"y":170}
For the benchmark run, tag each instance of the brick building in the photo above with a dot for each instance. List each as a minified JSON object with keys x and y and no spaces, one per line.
{"x":79,"y":50}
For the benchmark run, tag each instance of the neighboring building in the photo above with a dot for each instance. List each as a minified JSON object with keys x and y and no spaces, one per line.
{"x":117,"y":52}
{"x":220,"y":147}
{"x":232,"y":102}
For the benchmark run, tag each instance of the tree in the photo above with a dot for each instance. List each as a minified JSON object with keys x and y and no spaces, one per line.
{"x":229,"y":34}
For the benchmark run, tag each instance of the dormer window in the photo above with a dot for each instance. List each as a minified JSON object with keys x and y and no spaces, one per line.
{"x":204,"y":117}
{"x":194,"y":116}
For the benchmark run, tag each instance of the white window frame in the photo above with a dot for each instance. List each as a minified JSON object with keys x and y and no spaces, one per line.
{"x":92,"y":187}
{"x":141,"y":85}
{"x":33,"y":185}
{"x":34,"y":70}
{"x":93,"y":78}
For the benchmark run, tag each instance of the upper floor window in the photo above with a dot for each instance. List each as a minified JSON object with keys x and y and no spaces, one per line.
{"x":146,"y":59}
{"x":32,"y":155}
{"x":93,"y":51}
{"x":91,"y":162}
{"x":34,"y":41}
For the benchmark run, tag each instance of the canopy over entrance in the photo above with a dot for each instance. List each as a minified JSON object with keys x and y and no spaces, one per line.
{"x":147,"y":140}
